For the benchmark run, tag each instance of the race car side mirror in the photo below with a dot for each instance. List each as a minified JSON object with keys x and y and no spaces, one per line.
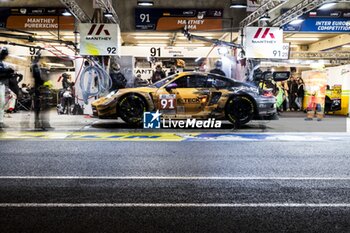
{"x":279,"y":76}
{"x":171,"y":86}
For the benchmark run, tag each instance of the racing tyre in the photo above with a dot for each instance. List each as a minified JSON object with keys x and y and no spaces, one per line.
{"x":239,"y":110}
{"x":131,"y":108}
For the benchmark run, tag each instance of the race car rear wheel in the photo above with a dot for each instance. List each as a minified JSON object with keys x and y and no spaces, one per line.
{"x":239,"y":110}
{"x":131,"y":108}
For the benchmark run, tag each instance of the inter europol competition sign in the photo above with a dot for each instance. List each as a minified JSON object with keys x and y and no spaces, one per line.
{"x":335,"y":21}
{"x":99,"y":39}
{"x":176,"y":19}
{"x":264,"y":42}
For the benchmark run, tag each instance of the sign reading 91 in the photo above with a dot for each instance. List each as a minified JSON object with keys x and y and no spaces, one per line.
{"x":167,"y":102}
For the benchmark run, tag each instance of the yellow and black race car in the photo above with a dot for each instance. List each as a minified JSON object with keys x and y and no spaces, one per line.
{"x":189,"y":95}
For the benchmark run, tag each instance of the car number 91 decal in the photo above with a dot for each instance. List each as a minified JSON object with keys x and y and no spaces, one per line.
{"x":167,"y":102}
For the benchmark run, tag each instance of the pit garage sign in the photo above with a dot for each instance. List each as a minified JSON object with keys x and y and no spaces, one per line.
{"x":99,"y":39}
{"x":264,"y":42}
{"x":321,"y":21}
{"x":160,"y":19}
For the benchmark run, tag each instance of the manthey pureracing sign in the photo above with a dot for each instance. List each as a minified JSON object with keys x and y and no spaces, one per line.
{"x":264,"y":42}
{"x":99,"y":39}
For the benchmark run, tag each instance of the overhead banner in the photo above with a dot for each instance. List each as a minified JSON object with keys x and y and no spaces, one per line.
{"x":35,"y":19}
{"x":169,"y":51}
{"x":99,"y":39}
{"x":176,"y":19}
{"x":265,"y":42}
{"x":337,"y":21}
{"x":253,"y":5}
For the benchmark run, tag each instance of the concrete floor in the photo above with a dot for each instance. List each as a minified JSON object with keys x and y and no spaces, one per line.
{"x":288,"y":122}
{"x":192,"y":186}
{"x":92,"y":175}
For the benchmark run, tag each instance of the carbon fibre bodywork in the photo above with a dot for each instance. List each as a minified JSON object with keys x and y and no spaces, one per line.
{"x":191,"y":95}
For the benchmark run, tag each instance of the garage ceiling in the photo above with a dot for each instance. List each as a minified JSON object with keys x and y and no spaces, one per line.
{"x":168,"y":38}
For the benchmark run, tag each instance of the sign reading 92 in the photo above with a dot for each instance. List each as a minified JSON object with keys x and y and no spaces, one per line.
{"x":99,"y":39}
{"x":167,"y":102}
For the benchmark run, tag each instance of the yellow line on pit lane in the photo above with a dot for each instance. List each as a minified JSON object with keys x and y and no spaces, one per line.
{"x":99,"y":136}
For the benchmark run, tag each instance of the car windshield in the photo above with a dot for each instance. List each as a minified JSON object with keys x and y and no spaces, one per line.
{"x":164,"y":81}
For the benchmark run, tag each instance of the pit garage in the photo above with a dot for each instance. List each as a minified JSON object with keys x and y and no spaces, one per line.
{"x":164,"y":116}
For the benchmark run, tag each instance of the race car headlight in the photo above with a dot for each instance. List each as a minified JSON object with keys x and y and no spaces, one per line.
{"x":108,"y":102}
{"x":110,"y":94}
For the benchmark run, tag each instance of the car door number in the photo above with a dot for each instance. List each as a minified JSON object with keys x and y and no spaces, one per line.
{"x":167,"y":102}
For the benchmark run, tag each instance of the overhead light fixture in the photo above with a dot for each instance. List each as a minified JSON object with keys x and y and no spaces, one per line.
{"x":302,"y":39}
{"x":237,"y":5}
{"x":145,"y":3}
{"x":222,"y":51}
{"x":190,"y":45}
{"x":197,"y":59}
{"x":346,"y":46}
{"x":152,"y":37}
{"x":69,"y":37}
{"x":185,"y":38}
{"x":151,"y":44}
{"x":327,"y":6}
{"x":297,"y":21}
{"x":45,"y":36}
{"x":265,"y":17}
{"x":66,"y":13}
{"x":18,"y":57}
{"x":108,"y":14}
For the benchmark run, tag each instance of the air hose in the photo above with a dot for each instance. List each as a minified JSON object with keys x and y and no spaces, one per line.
{"x":94,"y":81}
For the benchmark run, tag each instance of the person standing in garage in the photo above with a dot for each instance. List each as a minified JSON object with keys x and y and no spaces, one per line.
{"x":66,"y":83}
{"x":292,"y":92}
{"x":14,"y":87}
{"x":300,"y":94}
{"x":5,"y":74}
{"x":42,"y":93}
{"x":158,"y":74}
{"x":218,"y":69}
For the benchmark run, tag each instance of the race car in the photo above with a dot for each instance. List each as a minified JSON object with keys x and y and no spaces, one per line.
{"x":190,"y":95}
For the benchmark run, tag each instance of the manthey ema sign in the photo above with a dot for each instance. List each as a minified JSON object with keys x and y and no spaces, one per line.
{"x":265,"y":42}
{"x":99,"y":39}
{"x":160,"y":19}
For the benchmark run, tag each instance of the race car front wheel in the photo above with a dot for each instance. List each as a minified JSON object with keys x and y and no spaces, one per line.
{"x":239,"y":110}
{"x":131,"y":108}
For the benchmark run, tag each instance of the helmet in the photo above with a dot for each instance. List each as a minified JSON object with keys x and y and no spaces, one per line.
{"x":65,"y":75}
{"x":115,"y":66}
{"x":3,"y":53}
{"x":218,"y":63}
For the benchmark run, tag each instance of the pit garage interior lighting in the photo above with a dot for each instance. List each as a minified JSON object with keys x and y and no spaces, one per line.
{"x":238,"y":5}
{"x":145,"y":3}
{"x":327,"y":6}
